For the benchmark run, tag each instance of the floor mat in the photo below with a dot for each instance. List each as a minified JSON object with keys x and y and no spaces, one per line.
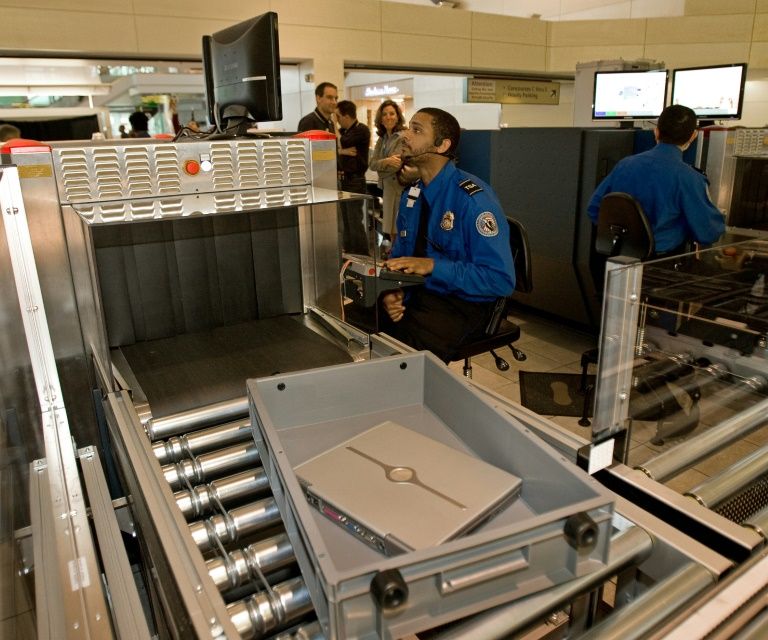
{"x":553,"y":394}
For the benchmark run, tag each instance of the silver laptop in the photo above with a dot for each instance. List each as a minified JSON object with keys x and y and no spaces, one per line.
{"x":397,"y":490}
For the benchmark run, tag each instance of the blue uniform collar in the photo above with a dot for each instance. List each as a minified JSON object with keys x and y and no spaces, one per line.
{"x":439,"y":183}
{"x":671,"y":150}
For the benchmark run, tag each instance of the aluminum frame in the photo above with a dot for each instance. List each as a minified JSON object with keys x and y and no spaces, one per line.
{"x":85,"y":610}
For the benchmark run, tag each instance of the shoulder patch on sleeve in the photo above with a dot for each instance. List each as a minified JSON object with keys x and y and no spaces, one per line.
{"x":486,"y":225}
{"x":470,"y":186}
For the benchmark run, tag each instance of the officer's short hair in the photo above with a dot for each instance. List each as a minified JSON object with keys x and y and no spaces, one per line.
{"x":676,"y":124}
{"x":347,"y":108}
{"x":446,"y":128}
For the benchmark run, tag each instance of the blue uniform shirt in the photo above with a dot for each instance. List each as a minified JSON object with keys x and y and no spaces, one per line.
{"x":467,"y":236}
{"x":673,"y":196}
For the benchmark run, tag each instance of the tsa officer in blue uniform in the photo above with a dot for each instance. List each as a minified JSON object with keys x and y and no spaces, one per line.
{"x":452,"y":230}
{"x":673,"y":195}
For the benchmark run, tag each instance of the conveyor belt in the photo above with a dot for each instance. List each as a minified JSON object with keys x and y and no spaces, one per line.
{"x":198,"y":369}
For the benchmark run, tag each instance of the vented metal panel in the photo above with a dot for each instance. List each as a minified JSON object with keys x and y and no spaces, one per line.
{"x":191,"y":205}
{"x":750,"y":141}
{"x":112,"y":173}
{"x":751,"y":500}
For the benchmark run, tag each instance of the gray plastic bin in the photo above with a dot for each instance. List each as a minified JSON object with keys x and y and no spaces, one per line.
{"x":558,"y":529}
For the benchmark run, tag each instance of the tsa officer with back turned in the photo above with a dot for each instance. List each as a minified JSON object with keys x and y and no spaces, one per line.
{"x":672,"y":194}
{"x":452,"y":230}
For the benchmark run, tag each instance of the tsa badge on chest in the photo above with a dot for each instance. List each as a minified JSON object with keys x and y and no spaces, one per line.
{"x":486,"y":225}
{"x":446,"y":224}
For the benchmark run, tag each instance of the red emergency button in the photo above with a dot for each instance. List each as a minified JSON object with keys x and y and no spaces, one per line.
{"x":192,"y":167}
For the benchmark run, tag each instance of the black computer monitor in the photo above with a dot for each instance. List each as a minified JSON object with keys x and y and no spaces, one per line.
{"x":242,"y":75}
{"x":629,"y":95}
{"x":713,"y":92}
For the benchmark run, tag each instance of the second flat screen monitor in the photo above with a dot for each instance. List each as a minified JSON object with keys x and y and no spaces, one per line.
{"x":629,"y":95}
{"x":715,"y":92}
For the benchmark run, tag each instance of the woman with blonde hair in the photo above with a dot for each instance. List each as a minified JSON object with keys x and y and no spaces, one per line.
{"x":386,"y":160}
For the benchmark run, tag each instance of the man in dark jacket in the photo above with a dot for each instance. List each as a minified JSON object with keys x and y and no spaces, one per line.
{"x":321,"y":118}
{"x":354,"y":144}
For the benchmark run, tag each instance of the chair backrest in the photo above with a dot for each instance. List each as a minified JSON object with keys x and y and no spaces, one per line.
{"x":521,"y":254}
{"x":622,"y":228}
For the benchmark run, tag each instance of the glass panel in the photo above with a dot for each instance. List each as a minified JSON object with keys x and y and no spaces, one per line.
{"x":684,"y":369}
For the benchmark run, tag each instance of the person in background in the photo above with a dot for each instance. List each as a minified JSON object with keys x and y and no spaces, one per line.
{"x":9,"y":132}
{"x":386,"y":160}
{"x":326,"y":96}
{"x":672,"y":194}
{"x":139,"y":124}
{"x":451,"y":229}
{"x":354,"y":140}
{"x":123,"y":131}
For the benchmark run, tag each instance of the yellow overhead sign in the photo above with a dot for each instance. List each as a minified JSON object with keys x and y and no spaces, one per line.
{"x":512,"y":91}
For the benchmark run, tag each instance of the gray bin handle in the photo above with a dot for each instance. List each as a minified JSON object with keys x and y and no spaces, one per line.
{"x":457,"y":579}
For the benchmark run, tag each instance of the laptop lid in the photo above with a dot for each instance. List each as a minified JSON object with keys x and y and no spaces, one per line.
{"x":397,"y":490}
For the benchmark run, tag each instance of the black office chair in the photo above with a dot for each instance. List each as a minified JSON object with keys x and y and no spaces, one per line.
{"x":622,"y":230}
{"x":500,"y":332}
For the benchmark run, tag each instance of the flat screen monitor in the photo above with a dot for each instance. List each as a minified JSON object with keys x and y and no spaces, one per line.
{"x":714,"y":93}
{"x":242,"y":74}
{"x":629,"y":95}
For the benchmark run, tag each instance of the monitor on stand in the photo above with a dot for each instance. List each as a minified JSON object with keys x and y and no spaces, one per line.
{"x":242,"y":75}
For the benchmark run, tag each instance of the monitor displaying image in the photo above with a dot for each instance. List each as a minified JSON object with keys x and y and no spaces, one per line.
{"x":714,"y":93}
{"x":629,"y":95}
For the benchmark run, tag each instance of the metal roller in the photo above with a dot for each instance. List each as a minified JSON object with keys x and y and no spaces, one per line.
{"x":631,"y":546}
{"x":647,"y":405}
{"x":209,"y":465}
{"x":191,"y":444}
{"x":635,"y":621}
{"x":728,"y":482}
{"x":243,"y":565}
{"x":309,"y":631}
{"x":202,"y":499}
{"x":257,"y":615}
{"x":688,"y":453}
{"x":234,"y":524}
{"x":173,"y":425}
{"x":652,"y":374}
{"x":758,"y":522}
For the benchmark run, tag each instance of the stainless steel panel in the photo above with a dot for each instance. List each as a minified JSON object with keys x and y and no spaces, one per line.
{"x":126,"y":606}
{"x":79,"y":587}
